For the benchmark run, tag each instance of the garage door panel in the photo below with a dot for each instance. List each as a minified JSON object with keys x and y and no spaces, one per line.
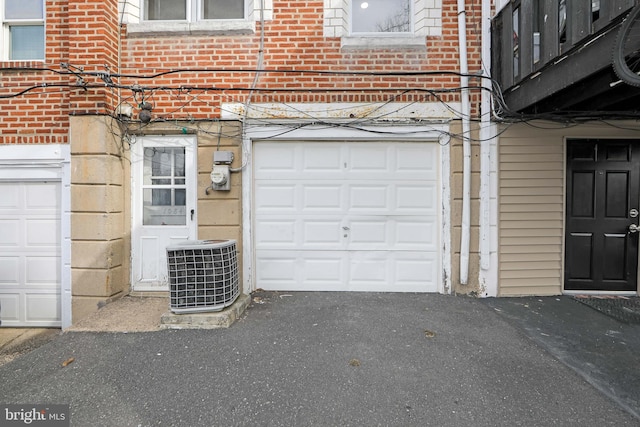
{"x":9,"y":197}
{"x":42,"y":270}
{"x":276,"y":233}
{"x":372,"y":234}
{"x":276,"y":270}
{"x":10,"y":314}
{"x":408,"y":272}
{"x":322,"y":234}
{"x":417,"y":162}
{"x":323,"y":271}
{"x":411,"y":198}
{"x":42,"y":195}
{"x":368,"y":270}
{"x":274,"y":160}
{"x":43,"y":232}
{"x":9,"y":270}
{"x":416,"y":271}
{"x":322,"y":158}
{"x":9,"y":233}
{"x":416,"y":234}
{"x":42,"y":308}
{"x":276,"y":196}
{"x":369,"y":198}
{"x":369,"y":158}
{"x":325,"y":198}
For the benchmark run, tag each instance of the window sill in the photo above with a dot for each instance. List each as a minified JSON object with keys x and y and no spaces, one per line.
{"x":22,"y":63}
{"x":384,"y":42}
{"x":164,"y":28}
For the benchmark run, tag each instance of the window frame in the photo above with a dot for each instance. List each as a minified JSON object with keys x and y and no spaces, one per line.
{"x":5,"y":33}
{"x":426,"y":21}
{"x":412,"y":19}
{"x":194,"y":13}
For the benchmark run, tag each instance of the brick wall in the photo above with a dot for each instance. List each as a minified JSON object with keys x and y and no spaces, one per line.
{"x":82,"y":33}
{"x":85,"y":34}
{"x":294,"y":39}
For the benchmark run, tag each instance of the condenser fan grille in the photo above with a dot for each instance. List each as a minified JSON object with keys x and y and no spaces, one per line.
{"x":203,"y":275}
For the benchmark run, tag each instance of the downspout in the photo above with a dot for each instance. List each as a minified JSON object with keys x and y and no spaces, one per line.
{"x":488,"y":276}
{"x":259,"y":68}
{"x":466,"y":145}
{"x":247,"y":234}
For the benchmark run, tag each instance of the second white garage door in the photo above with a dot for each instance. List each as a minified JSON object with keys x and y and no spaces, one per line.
{"x":347,"y":216}
{"x":30,"y":254}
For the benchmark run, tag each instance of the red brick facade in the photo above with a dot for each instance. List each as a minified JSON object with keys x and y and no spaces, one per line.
{"x":80,"y":33}
{"x":84,"y":34}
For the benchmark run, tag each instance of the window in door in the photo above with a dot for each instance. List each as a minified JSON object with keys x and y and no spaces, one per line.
{"x":164,"y":186}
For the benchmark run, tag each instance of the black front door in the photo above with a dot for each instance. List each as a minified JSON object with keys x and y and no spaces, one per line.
{"x":601,"y":242}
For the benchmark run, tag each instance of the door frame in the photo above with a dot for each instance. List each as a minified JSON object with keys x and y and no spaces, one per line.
{"x":410,"y":133}
{"x":47,"y":162}
{"x":191,"y":179}
{"x":565,"y":291}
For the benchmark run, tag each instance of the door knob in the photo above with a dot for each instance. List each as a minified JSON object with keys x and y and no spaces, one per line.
{"x":633,"y":228}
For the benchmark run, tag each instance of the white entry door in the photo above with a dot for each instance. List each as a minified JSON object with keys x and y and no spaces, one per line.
{"x":163,"y":204}
{"x":30,"y":253}
{"x":347,"y":216}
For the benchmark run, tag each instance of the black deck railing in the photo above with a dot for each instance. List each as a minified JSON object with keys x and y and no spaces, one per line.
{"x":529,"y":35}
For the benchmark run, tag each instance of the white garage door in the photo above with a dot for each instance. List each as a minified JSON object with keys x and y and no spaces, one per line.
{"x":348,"y":216}
{"x":30,"y":253}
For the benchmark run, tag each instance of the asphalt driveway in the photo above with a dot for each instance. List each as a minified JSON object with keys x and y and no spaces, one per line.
{"x":317,"y":359}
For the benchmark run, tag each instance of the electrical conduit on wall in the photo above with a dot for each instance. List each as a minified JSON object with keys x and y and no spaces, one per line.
{"x":466,"y":145}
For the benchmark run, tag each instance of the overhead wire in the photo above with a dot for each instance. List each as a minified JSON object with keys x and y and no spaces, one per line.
{"x":500,"y":110}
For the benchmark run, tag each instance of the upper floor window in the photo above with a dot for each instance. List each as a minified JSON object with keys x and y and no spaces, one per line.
{"x":381,"y":16}
{"x":373,"y":24}
{"x":193,"y":10}
{"x":23,"y":30}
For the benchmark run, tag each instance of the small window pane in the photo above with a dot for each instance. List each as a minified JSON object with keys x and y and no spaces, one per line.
{"x":223,"y":9}
{"x":180,"y":197}
{"x":161,"y":197}
{"x":23,"y":9}
{"x":163,"y":181}
{"x":158,"y":208}
{"x":27,"y":42}
{"x":381,"y":16}
{"x":166,"y":10}
{"x":179,"y":165}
